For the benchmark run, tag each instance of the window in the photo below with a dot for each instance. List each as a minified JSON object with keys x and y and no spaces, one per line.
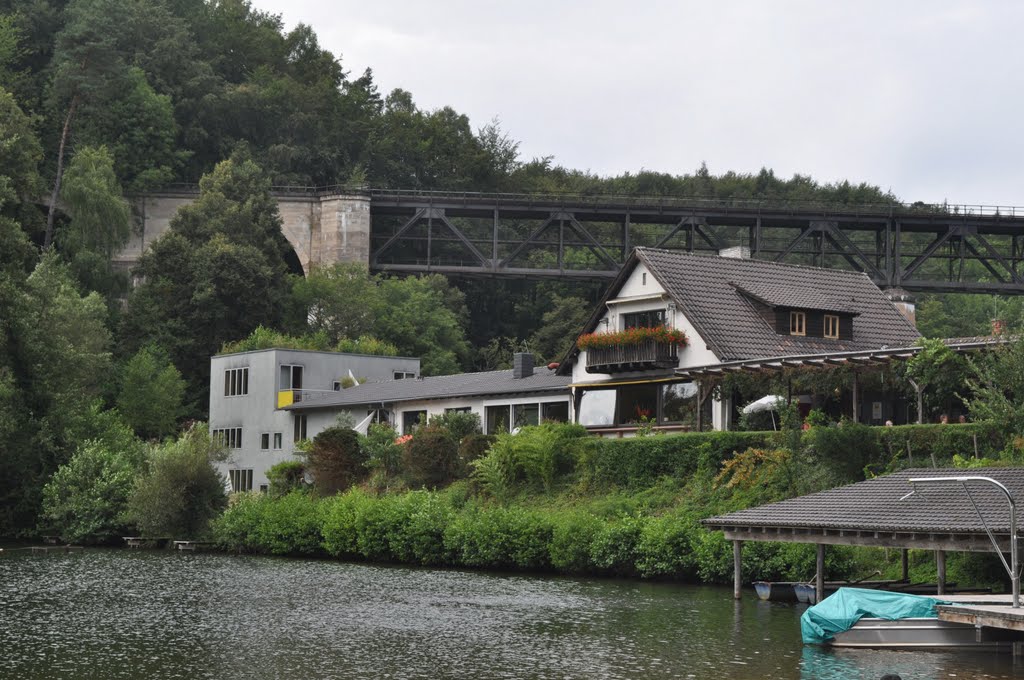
{"x":461,"y":409}
{"x":291,"y":377}
{"x":236,"y":382}
{"x":831,"y":326}
{"x":637,"y":403}
{"x":299,"y":432}
{"x":404,"y":375}
{"x":229,"y":437}
{"x":497,"y":418}
{"x":597,"y":407}
{"x":382,"y":415}
{"x":797,"y":323}
{"x":336,"y":386}
{"x":649,"y":319}
{"x":555,"y":412}
{"x":411,"y":420}
{"x":264,"y":488}
{"x":277,"y":441}
{"x":241,"y":480}
{"x":525,"y":414}
{"x":265,"y":441}
{"x":657,"y":403}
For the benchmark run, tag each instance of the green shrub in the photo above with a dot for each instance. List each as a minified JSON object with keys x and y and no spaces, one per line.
{"x":473,"y":447}
{"x":431,"y":457}
{"x":944,"y":441}
{"x":291,"y":525}
{"x":665,"y":549}
{"x":500,"y":538}
{"x":847,"y":448}
{"x":180,"y":491}
{"x":336,"y":460}
{"x":374,"y":523}
{"x":639,"y":462}
{"x":571,"y":542}
{"x":382,"y":453}
{"x":340,"y":536}
{"x":616,"y":545}
{"x":459,"y":425}
{"x":535,"y":456}
{"x":418,"y":537}
{"x":285,"y":477}
{"x":238,"y":528}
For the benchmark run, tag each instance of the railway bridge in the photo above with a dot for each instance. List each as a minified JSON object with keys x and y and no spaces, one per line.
{"x":917,"y":247}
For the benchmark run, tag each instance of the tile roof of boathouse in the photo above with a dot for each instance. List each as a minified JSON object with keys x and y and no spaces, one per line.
{"x":880,"y":505}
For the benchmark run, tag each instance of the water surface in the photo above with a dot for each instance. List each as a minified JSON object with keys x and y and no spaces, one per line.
{"x":146,"y":614}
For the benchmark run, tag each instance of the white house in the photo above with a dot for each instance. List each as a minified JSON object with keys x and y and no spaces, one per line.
{"x":730,"y":309}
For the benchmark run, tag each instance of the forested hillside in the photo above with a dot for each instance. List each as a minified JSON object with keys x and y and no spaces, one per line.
{"x":103,"y":98}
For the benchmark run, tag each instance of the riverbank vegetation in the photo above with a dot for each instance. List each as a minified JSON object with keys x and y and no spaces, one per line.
{"x":553,"y":499}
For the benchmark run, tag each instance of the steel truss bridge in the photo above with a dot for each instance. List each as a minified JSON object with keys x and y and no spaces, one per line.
{"x":948,"y":248}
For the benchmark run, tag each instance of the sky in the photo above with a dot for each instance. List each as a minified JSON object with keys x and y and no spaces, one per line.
{"x":921,"y":98}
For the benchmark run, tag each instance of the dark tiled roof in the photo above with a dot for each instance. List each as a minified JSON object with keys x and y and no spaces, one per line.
{"x":439,"y":387}
{"x":875,"y":505}
{"x":705,"y":289}
{"x":775,"y":295}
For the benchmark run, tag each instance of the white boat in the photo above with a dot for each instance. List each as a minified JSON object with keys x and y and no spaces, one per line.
{"x":916,"y":632}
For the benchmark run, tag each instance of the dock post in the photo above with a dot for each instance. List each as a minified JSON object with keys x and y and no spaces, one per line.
{"x":905,"y":563}
{"x":940,"y":569}
{"x":737,"y":569}
{"x":819,"y":578}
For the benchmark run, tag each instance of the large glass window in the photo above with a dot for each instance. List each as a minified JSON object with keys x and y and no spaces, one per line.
{"x":555,"y":412}
{"x":236,"y":382}
{"x":412,"y":420}
{"x":649,"y":319}
{"x":497,"y":418}
{"x":525,"y":414}
{"x":241,"y":480}
{"x":638,"y":403}
{"x":679,"y":404}
{"x":597,"y":407}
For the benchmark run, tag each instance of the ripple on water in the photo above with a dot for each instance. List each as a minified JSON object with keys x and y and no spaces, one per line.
{"x":137,"y":614}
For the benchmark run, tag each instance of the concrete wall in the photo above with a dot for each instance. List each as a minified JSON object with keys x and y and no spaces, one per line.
{"x":321,"y":229}
{"x":256,"y":411}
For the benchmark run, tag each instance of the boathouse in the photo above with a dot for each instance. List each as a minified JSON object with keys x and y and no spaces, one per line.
{"x":889,"y":511}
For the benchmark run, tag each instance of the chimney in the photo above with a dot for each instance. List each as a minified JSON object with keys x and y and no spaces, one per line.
{"x":736,"y":252}
{"x":998,"y":327}
{"x":522,"y":365}
{"x":904,"y":303}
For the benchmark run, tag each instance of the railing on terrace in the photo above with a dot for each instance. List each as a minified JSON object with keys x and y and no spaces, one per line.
{"x":645,"y":355}
{"x":289,"y":397}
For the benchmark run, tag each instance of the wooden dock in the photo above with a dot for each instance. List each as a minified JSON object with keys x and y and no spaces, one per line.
{"x":993,"y":611}
{"x":47,"y":549}
{"x":192,"y":546}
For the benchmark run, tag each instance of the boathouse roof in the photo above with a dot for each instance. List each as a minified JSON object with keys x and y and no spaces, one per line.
{"x":884,"y":512}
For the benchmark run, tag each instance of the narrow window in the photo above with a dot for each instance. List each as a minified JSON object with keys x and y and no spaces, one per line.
{"x":300,"y":429}
{"x":831,"y":326}
{"x":497,"y":419}
{"x":277,"y":441}
{"x":797,"y":323}
{"x":411,"y":420}
{"x":241,"y":480}
{"x":336,"y":386}
{"x":265,"y":441}
{"x":236,"y":382}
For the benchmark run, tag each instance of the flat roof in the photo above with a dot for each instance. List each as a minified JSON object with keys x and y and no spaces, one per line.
{"x":313,"y":351}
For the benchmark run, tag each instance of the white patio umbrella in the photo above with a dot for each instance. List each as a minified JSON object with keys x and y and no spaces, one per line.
{"x":768,"y":402}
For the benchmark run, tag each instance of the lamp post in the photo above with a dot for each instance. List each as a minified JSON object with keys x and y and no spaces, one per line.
{"x":1013,"y":569}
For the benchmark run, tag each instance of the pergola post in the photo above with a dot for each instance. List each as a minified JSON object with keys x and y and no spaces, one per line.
{"x":905,"y":563}
{"x":940,"y":569}
{"x":819,"y":577}
{"x":856,"y":398}
{"x":737,"y":569}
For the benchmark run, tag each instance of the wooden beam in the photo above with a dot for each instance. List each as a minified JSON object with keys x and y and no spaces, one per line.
{"x":940,"y":571}
{"x":905,"y":564}
{"x":737,"y":569}
{"x":948,"y":542}
{"x":819,"y":577}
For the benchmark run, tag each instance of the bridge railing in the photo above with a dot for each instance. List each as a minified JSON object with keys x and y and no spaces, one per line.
{"x":570,"y":200}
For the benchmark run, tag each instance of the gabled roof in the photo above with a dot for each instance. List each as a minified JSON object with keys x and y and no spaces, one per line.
{"x":483,"y":384}
{"x":882,"y":504}
{"x":709,"y":291}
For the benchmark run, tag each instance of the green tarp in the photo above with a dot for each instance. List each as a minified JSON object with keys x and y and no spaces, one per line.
{"x":847,"y":606}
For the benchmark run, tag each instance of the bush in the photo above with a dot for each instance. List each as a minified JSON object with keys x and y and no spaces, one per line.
{"x":535,"y":456}
{"x":336,"y":460}
{"x":571,"y":542}
{"x":473,"y":447}
{"x":339,"y":523}
{"x":290,"y":525}
{"x":459,"y":425}
{"x":847,"y":448}
{"x":639,"y":462}
{"x":615,"y":547}
{"x":181,"y":491}
{"x":238,"y":528}
{"x":665,"y":548}
{"x":86,"y":499}
{"x":500,"y":538}
{"x":285,"y":477}
{"x":431,"y":457}
{"x":383,"y":455}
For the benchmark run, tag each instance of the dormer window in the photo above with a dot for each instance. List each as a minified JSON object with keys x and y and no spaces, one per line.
{"x":797,"y":323}
{"x":649,"y":319}
{"x":832,"y":326}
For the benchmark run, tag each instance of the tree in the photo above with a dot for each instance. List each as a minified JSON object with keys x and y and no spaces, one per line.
{"x":152,"y":393}
{"x":86,"y":499}
{"x":100,"y":217}
{"x":997,"y":392}
{"x":338,"y":300}
{"x":938,"y":372}
{"x":336,"y":460}
{"x":180,"y":491}
{"x":559,"y":327}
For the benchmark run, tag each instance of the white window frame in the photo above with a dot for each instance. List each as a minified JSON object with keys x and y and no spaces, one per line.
{"x":236,"y":382}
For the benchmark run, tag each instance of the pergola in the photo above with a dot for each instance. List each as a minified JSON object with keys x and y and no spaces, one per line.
{"x":886,"y":512}
{"x":710,"y":375}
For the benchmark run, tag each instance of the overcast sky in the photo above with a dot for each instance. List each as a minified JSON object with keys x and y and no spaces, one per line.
{"x":922,"y":98}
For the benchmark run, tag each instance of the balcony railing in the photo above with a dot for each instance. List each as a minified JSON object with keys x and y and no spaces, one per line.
{"x":642,"y":356}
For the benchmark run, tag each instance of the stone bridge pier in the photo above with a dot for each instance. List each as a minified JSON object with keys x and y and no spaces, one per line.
{"x":322,"y":228}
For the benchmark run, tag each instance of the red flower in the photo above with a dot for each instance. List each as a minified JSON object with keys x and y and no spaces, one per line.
{"x":632,"y":336}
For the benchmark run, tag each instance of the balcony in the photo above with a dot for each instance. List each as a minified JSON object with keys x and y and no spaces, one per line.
{"x":646,"y":355}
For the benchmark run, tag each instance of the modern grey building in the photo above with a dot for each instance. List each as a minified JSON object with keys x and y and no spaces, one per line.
{"x":250,"y":393}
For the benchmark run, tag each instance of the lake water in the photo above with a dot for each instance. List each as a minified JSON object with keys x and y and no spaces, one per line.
{"x":145,"y":614}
